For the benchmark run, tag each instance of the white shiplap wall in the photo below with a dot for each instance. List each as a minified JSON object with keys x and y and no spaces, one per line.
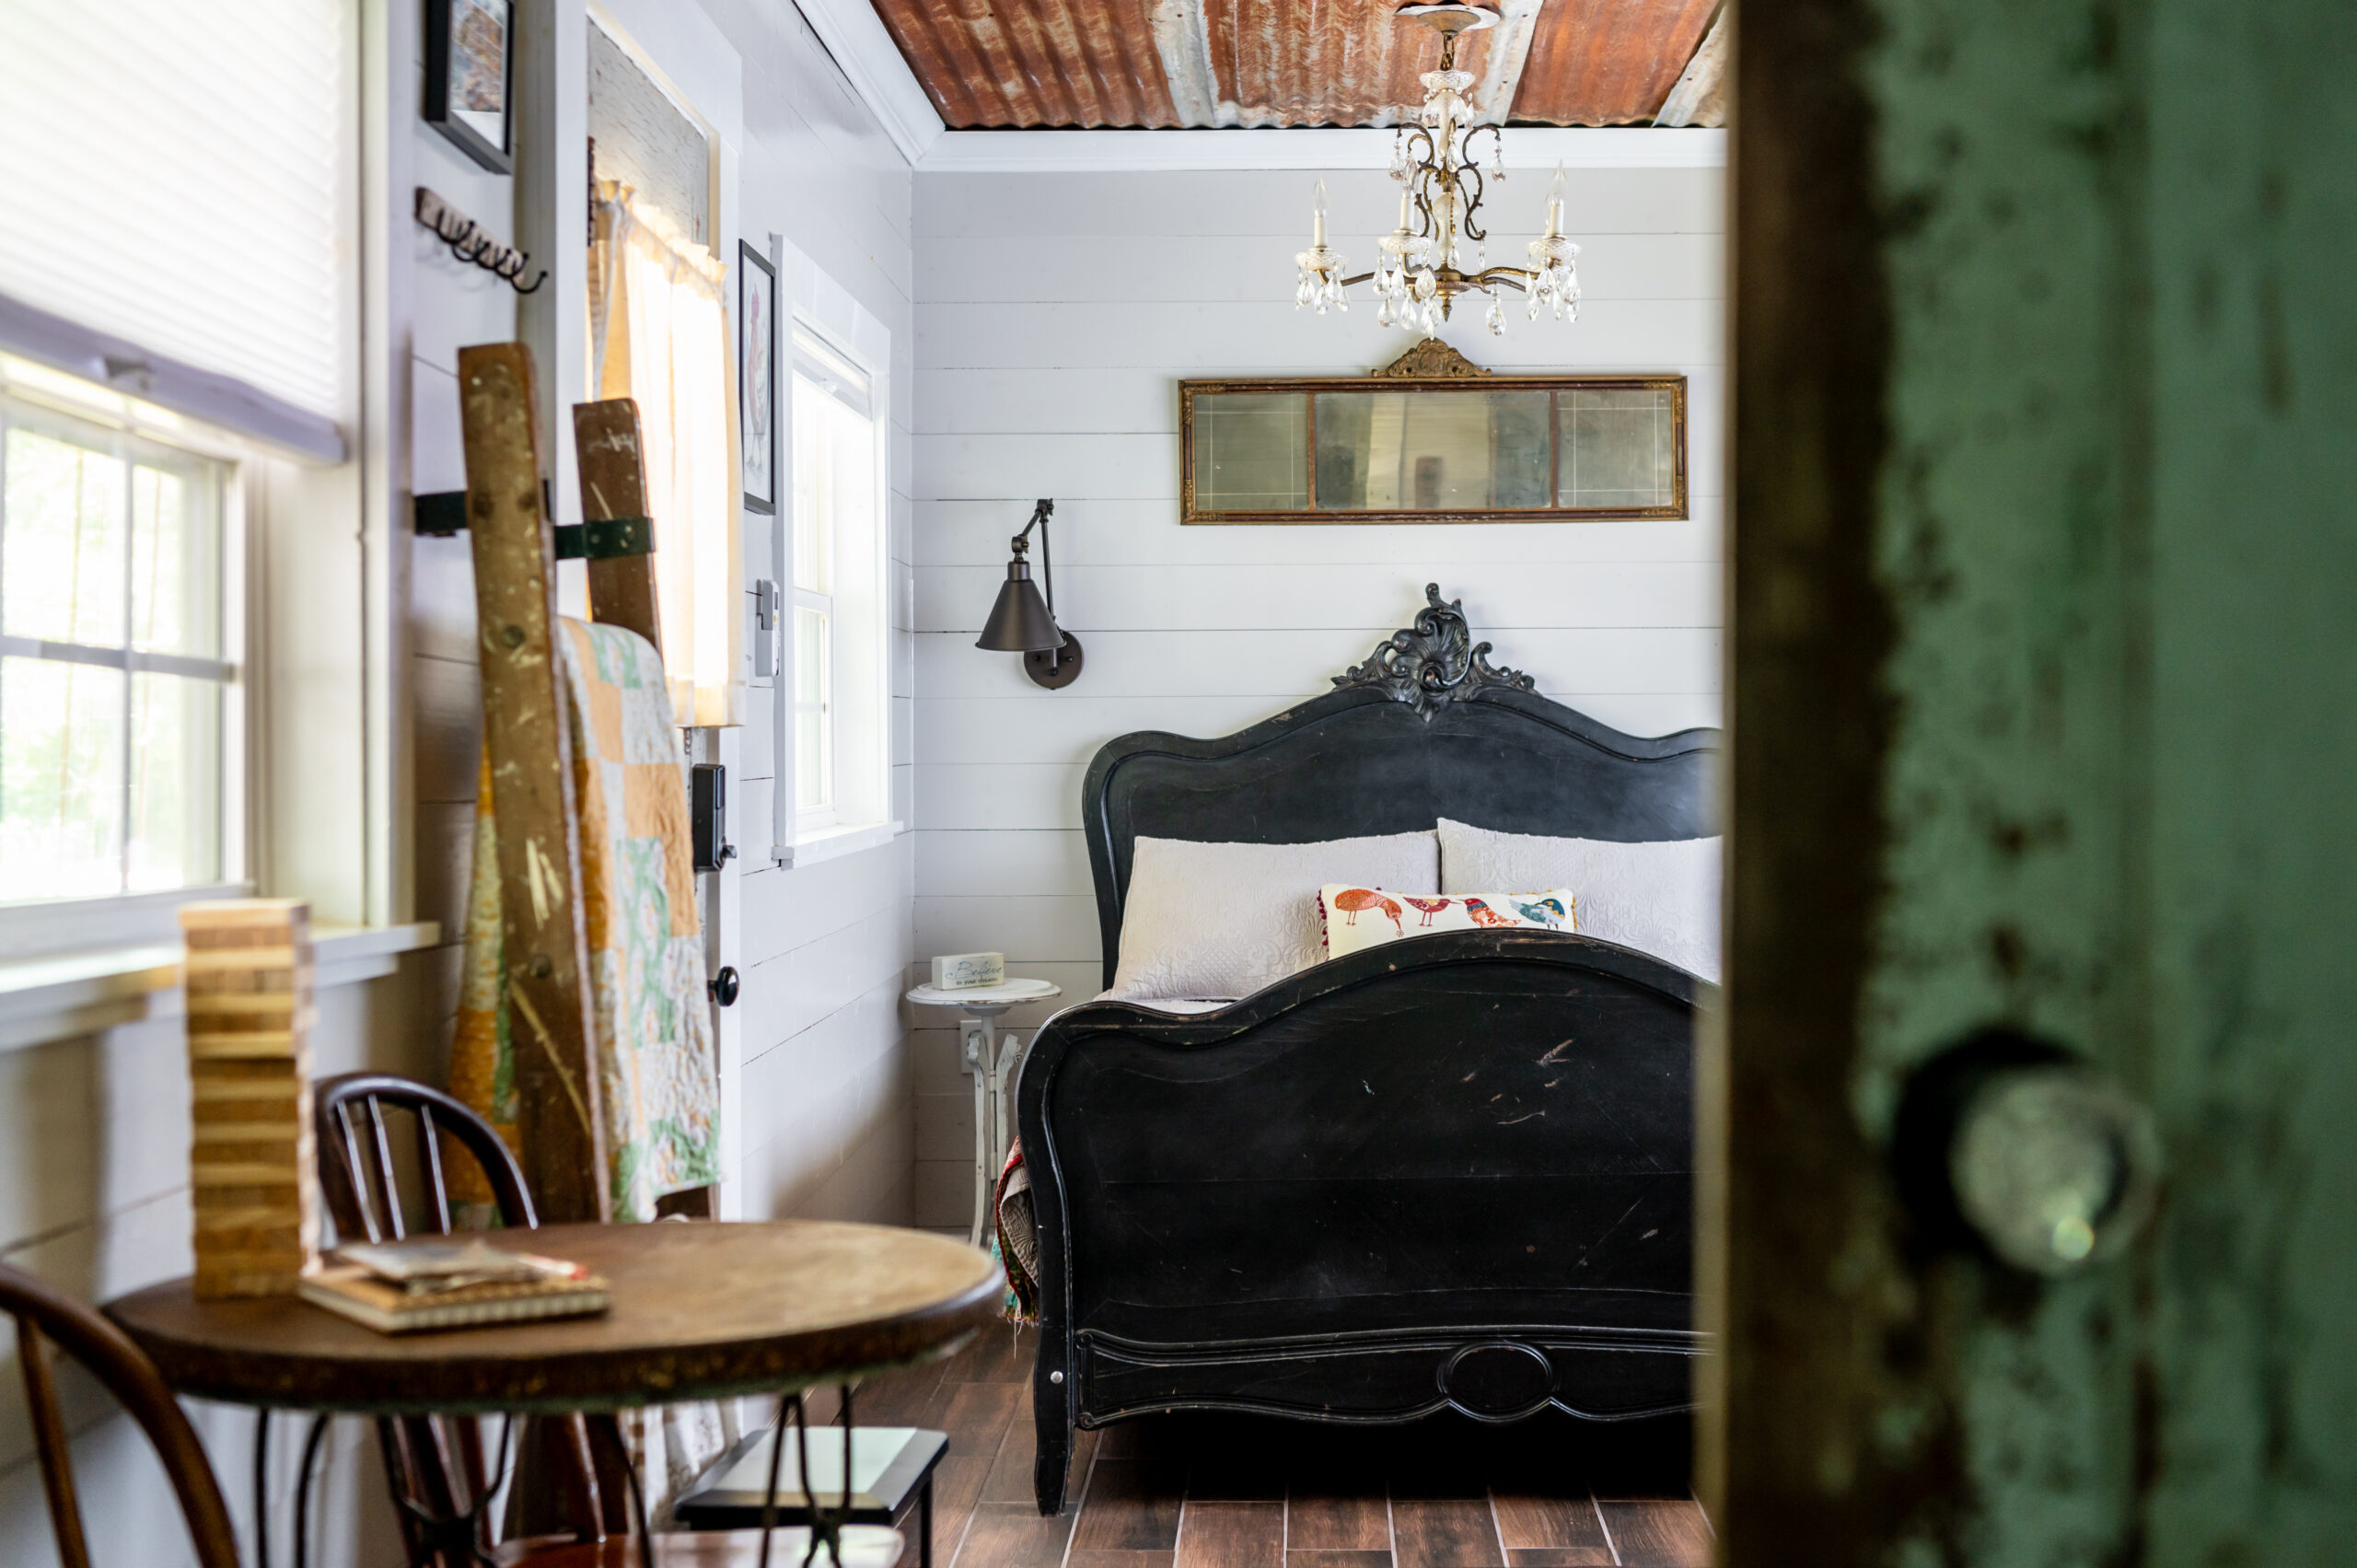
{"x":1055,"y":314}
{"x":827,"y":1101}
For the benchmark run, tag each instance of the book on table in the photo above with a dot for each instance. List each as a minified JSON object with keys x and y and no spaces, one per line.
{"x":410,"y":1286}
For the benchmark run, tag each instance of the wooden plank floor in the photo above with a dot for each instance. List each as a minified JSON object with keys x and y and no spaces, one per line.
{"x":1243,"y":1492}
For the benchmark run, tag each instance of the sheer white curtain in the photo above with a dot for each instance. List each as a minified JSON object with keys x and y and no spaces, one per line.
{"x":660,"y":334}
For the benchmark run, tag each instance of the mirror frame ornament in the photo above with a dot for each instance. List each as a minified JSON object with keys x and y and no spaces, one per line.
{"x":1430,"y":365}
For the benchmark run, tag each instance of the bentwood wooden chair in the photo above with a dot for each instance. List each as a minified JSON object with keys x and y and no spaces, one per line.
{"x":46,"y":1316}
{"x":434,"y":1465}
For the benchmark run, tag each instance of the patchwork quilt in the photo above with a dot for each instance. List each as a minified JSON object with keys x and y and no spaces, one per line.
{"x":658,"y":1074}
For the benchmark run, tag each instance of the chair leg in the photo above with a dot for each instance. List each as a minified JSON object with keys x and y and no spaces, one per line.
{"x":925,"y":1525}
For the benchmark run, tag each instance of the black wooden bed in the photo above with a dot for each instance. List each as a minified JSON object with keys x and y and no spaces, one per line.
{"x":1452,"y":1171}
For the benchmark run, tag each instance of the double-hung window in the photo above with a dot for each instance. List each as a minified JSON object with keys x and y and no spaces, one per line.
{"x":837,"y":624}
{"x":119,"y":697}
{"x":183,"y":283}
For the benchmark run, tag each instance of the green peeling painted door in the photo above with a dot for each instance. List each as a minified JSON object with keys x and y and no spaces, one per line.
{"x":2045,"y":715}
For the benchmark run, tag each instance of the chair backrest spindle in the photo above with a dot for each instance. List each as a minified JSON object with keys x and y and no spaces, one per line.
{"x":45,"y":1316}
{"x":346,"y":1181}
{"x":429,"y":1157}
{"x":54,"y":1443}
{"x":380,"y":1144}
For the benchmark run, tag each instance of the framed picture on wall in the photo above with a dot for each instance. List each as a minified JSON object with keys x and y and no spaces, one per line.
{"x":757,"y":375}
{"x":471,"y":78}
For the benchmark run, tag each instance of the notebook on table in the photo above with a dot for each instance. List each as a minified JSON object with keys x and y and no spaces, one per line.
{"x":412,"y":1286}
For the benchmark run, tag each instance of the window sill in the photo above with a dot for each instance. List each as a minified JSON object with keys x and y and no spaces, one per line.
{"x":64,"y":995}
{"x":835,"y":842}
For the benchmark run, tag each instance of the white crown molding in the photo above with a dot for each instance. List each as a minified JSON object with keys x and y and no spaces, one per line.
{"x":1527,"y":148}
{"x":879,"y":73}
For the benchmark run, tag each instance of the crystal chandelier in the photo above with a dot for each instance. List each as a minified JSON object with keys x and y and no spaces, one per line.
{"x":1421,"y":273}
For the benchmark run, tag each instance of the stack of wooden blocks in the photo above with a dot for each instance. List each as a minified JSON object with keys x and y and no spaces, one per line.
{"x":254,"y":1182}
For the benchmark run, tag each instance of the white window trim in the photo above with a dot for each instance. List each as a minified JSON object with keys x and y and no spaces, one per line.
{"x":814,"y":303}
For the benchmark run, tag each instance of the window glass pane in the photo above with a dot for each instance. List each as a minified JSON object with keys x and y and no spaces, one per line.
{"x":813,"y":453}
{"x":814,"y":763}
{"x":175,"y":782}
{"x":1251,"y":451}
{"x":1618,"y":449}
{"x":61,"y":540}
{"x":1455,"y":451}
{"x":811,"y":774}
{"x":175,"y":570}
{"x":850,"y":502}
{"x":61,"y":780}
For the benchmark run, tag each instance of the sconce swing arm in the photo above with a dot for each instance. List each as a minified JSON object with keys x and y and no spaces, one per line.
{"x":1021,"y":544}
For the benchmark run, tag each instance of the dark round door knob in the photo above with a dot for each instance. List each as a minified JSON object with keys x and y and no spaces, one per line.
{"x":2018,"y":1148}
{"x":725,"y":986}
{"x":2054,"y":1167}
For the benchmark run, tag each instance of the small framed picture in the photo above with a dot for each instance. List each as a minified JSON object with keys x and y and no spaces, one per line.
{"x":471,"y":78}
{"x":757,"y":375}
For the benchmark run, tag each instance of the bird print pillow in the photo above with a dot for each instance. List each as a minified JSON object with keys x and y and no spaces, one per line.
{"x":1356,"y":918}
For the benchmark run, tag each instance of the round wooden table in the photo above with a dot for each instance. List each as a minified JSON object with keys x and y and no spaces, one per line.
{"x":700,"y":1310}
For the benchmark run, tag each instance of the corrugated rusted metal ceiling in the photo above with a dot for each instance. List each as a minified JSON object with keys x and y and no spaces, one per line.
{"x":1607,"y":62}
{"x":1032,"y":63}
{"x":1330,"y":61}
{"x":1156,"y":63}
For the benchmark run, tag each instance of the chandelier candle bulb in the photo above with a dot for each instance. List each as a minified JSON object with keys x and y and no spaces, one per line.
{"x":1321,"y":282}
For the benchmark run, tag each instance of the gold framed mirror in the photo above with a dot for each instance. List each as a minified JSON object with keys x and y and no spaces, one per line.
{"x":1432,"y":438}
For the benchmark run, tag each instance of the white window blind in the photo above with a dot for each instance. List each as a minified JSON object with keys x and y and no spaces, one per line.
{"x":180,"y":174}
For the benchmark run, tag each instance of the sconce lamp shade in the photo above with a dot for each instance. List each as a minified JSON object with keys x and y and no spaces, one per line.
{"x":1019,"y":621}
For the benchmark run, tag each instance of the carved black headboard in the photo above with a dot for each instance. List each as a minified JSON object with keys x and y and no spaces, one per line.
{"x":1425,"y":728}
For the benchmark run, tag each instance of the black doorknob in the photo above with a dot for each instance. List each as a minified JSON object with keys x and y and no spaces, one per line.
{"x":723,"y":986}
{"x":2020,"y":1147}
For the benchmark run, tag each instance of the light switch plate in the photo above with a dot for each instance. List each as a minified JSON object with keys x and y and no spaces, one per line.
{"x":765,"y":629}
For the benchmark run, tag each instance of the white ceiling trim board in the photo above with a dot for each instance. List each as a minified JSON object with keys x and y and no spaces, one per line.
{"x":1528,"y":147}
{"x":879,"y":73}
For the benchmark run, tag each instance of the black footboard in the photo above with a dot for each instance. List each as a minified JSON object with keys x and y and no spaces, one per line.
{"x":1454,"y":1171}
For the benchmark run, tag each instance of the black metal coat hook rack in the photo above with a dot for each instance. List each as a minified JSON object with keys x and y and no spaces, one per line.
{"x":468,"y":242}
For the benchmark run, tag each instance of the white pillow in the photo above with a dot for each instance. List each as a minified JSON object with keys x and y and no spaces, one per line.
{"x":1224,"y":920}
{"x":1660,"y":899}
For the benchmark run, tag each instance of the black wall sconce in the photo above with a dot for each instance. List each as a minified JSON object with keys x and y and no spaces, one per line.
{"x":1021,"y":623}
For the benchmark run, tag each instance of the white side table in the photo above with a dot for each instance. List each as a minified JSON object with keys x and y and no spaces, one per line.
{"x":989,"y":1058}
